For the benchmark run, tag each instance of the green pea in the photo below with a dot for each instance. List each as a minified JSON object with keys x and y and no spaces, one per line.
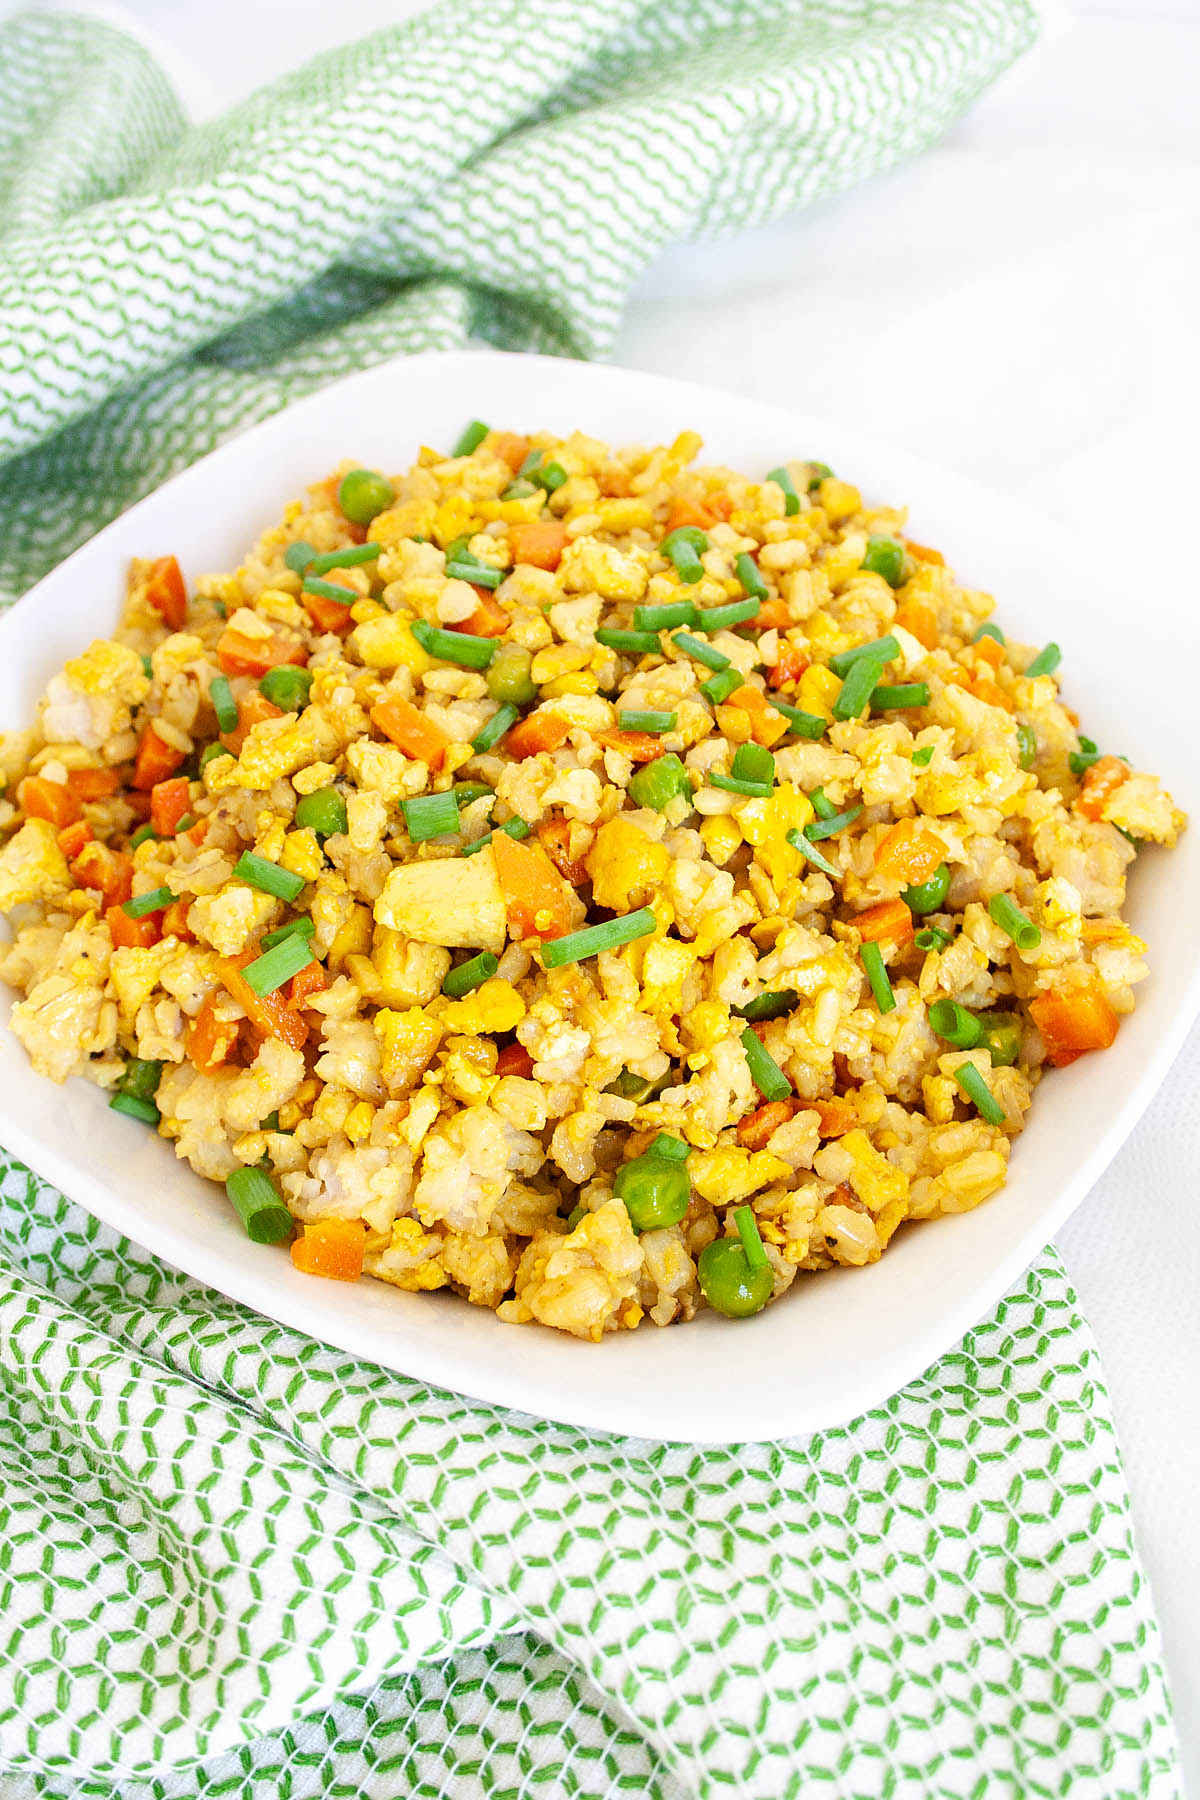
{"x":286,"y":687}
{"x":728,"y":1282}
{"x":885,"y":557}
{"x":656,"y":1191}
{"x":140,"y":1078}
{"x":507,"y":677}
{"x":363,"y":493}
{"x":1001,"y":1038}
{"x":323,"y":812}
{"x":927,"y":896}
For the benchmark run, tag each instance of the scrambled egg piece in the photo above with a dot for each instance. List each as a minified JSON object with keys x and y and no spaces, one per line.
{"x":626,"y":866}
{"x":32,"y":867}
{"x":455,"y":903}
{"x":92,"y":700}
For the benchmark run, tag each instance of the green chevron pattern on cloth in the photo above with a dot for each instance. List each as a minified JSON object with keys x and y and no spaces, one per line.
{"x":496,"y":168}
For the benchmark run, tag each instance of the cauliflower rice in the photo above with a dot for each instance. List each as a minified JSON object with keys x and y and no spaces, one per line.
{"x":795,"y":891}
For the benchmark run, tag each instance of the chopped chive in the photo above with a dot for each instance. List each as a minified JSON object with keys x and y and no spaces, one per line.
{"x":530,"y":464}
{"x":297,"y":556}
{"x":270,"y":1123}
{"x":470,"y":975}
{"x":147,"y":668}
{"x":459,"y":647}
{"x":809,"y":851}
{"x":992,"y":631}
{"x":468,"y":568}
{"x":791,"y":499}
{"x":467,"y":792}
{"x":922,"y":758}
{"x":133,"y":1108}
{"x":877,"y":975}
{"x":955,"y":1024}
{"x":330,"y":590}
{"x":1083,"y":758}
{"x":747,"y":573}
{"x":654,"y":722}
{"x":268,"y":877}
{"x":224,"y":704}
{"x":301,"y":927}
{"x":1014,"y":923}
{"x":719,"y":688}
{"x":932,"y":937}
{"x":721,"y":618}
{"x":821,"y":804}
{"x":752,"y":1244}
{"x":977,"y":1091}
{"x":860,"y":682}
{"x":515,"y":828}
{"x":672,"y":1148}
{"x":210,"y":753}
{"x":277,"y":965}
{"x":663,"y":618}
{"x":502,"y":720}
{"x":147,"y":831}
{"x":701,"y":652}
{"x":732,"y":784}
{"x":904,"y":694}
{"x":817,"y":473}
{"x":144,"y":904}
{"x":431,"y":816}
{"x":347,"y":558}
{"x":257,"y":1204}
{"x":551,"y":476}
{"x":1044,"y":663}
{"x":885,"y":557}
{"x":1026,"y":746}
{"x":765,"y":1072}
{"x":684,"y":547}
{"x":471,"y":438}
{"x":751,"y":762}
{"x":826,"y":828}
{"x":879,"y":650}
{"x":804,"y":724}
{"x":633,"y":643}
{"x":141,"y":1077}
{"x":769,"y":1006}
{"x":576,"y":945}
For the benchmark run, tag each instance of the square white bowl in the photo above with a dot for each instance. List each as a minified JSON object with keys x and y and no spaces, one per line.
{"x":836,"y":1344}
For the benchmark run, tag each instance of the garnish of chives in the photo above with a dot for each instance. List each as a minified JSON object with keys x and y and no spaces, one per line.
{"x":804,"y":724}
{"x":147,"y":668}
{"x":821,"y":804}
{"x":721,"y":618}
{"x":747,"y":573}
{"x":931,"y":937}
{"x":467,"y":792}
{"x":224,"y":704}
{"x":684,"y":548}
{"x":462,"y":566}
{"x":719,"y":688}
{"x":1044,"y":663}
{"x":141,"y":1077}
{"x":470,"y":975}
{"x":277,"y":965}
{"x":955,"y":1024}
{"x":1014,"y":923}
{"x":664,"y":617}
{"x":144,"y":904}
{"x":297,"y":556}
{"x":515,"y":828}
{"x":827,"y":828}
{"x":653,"y":722}
{"x":923,"y":757}
{"x":992,"y":631}
{"x":349,"y":558}
{"x":809,"y":851}
{"x":885,"y":557}
{"x":550,"y":476}
{"x":633,"y":643}
{"x":879,"y":650}
{"x":877,"y":975}
{"x":1083,"y":758}
{"x":431,"y":816}
{"x":903,"y":694}
{"x":977,"y":1091}
{"x":791,"y":499}
{"x":700,"y":651}
{"x":672,"y":1148}
{"x":765,"y":1072}
{"x":268,"y":877}
{"x":732,"y":784}
{"x":459,"y":647}
{"x":330,"y":590}
{"x":502,"y":720}
{"x":530,"y":464}
{"x":254,"y":1199}
{"x":752,"y":1244}
{"x":143,"y":833}
{"x":471,"y":438}
{"x":774,"y":1005}
{"x":817,"y":473}
{"x":577,"y":945}
{"x":133,"y":1108}
{"x":301,"y":927}
{"x":860,"y":682}
{"x":753,"y":762}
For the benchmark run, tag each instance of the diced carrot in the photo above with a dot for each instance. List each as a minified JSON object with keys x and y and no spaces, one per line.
{"x":138,"y":804}
{"x":990,"y":651}
{"x":540,"y":543}
{"x":987,"y":690}
{"x":920,"y":621}
{"x":922,"y":553}
{"x":909,"y":853}
{"x":166,"y":592}
{"x":169,"y":802}
{"x":156,"y":760}
{"x":689,"y":512}
{"x":50,"y":800}
{"x":790,"y":667}
{"x":536,"y":898}
{"x":837,"y":1116}
{"x":720,"y":505}
{"x":540,"y":731}
{"x":772,"y":615}
{"x":131,"y":934}
{"x":515,"y":1059}
{"x":638,"y":746}
{"x":410,"y":730}
{"x":331,"y":1247}
{"x":72,"y":840}
{"x":1095,"y":931}
{"x":174,"y":922}
{"x":764,"y":1122}
{"x":306,"y":982}
{"x":93,"y":784}
{"x":554,"y":834}
{"x":239,"y":654}
{"x":268,"y":1013}
{"x":196,"y":834}
{"x":108,"y":872}
{"x":1073,"y":1020}
{"x":253,"y":708}
{"x":210,"y":1038}
{"x":328,"y":615}
{"x":489,"y":618}
{"x":766,"y":725}
{"x":889,"y":919}
{"x":1099,"y":785}
{"x":511,"y":448}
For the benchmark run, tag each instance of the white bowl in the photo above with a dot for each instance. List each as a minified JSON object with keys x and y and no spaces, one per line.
{"x":839,"y":1342}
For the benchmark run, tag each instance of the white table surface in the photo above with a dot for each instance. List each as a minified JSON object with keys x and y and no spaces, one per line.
{"x":1020,"y":304}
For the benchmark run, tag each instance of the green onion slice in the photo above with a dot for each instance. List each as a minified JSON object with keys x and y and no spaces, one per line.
{"x":277,"y":965}
{"x":431,"y":816}
{"x":144,"y":904}
{"x":932,"y":937}
{"x":955,"y":1024}
{"x":752,"y":762}
{"x":1014,"y":923}
{"x":774,"y":1005}
{"x":459,"y":647}
{"x":804,"y":724}
{"x":268,"y":877}
{"x":347,"y":558}
{"x":470,"y":975}
{"x":301,"y":927}
{"x":224,"y":704}
{"x":992,"y":631}
{"x":879,"y":650}
{"x":673,"y":1148}
{"x":977,"y":1091}
{"x":1044,"y":663}
{"x":330,"y":590}
{"x":754,"y":790}
{"x":133,"y":1108}
{"x":808,"y":850}
{"x":471,"y":438}
{"x":791,"y":499}
{"x":258,"y":1206}
{"x":576,"y":945}
{"x":859,"y":684}
{"x":515,"y":828}
{"x":826,"y":828}
{"x":752,"y":1244}
{"x":700,"y":651}
{"x":923,"y":757}
{"x":765,"y":1072}
{"x":877,"y":975}
{"x":502,"y":720}
{"x":719,"y":688}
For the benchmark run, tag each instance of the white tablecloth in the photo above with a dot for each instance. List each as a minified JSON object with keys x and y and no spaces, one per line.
{"x":1018,"y":304}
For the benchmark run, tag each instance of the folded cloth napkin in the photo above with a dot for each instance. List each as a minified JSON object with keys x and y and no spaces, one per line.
{"x":233,"y":1562}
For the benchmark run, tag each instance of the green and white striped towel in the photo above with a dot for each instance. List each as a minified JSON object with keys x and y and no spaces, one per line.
{"x":235,"y":1563}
